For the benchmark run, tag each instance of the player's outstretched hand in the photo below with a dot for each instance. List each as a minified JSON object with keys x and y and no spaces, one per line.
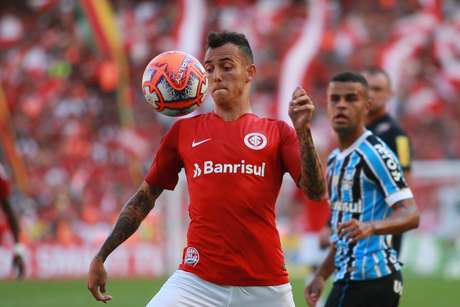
{"x":19,"y":266}
{"x":97,"y":278}
{"x":313,"y":291}
{"x":301,"y":109}
{"x":355,"y":230}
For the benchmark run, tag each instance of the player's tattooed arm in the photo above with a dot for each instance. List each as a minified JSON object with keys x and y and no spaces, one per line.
{"x":312,"y":180}
{"x":131,"y":216}
{"x":300,"y":111}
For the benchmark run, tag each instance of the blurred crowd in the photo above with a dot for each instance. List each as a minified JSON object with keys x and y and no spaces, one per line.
{"x":83,"y":164}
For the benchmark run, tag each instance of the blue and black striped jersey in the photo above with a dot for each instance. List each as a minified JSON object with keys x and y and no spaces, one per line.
{"x":364,"y":181}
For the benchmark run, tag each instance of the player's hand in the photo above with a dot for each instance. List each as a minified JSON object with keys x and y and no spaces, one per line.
{"x":313,"y":291}
{"x":19,"y":266}
{"x":301,"y":109}
{"x":355,"y":230}
{"x":97,"y":278}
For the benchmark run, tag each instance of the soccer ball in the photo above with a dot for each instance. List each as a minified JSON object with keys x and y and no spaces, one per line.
{"x":174,"y":83}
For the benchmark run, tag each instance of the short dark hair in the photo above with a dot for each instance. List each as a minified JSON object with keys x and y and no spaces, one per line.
{"x":349,"y":76}
{"x":218,"y":39}
{"x":374,"y":70}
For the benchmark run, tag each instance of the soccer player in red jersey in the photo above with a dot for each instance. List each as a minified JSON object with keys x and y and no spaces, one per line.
{"x":234,"y":162}
{"x":18,"y":261}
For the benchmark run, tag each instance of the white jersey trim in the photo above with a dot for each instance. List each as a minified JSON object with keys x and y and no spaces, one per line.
{"x":399,"y":195}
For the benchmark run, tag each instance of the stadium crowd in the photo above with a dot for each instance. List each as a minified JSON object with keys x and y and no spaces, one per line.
{"x":61,"y":92}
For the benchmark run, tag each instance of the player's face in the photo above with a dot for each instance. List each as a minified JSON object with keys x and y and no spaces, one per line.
{"x":347,"y":106}
{"x":229,"y":73}
{"x":379,"y":91}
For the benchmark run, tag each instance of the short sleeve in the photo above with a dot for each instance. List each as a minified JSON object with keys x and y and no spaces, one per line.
{"x":4,"y":185}
{"x":163,"y":172}
{"x":385,"y":170}
{"x":290,"y":152}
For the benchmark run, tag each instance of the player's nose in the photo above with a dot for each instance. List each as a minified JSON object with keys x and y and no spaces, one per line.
{"x":216,"y":75}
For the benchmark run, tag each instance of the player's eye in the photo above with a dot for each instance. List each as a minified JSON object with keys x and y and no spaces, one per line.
{"x":351,"y":98}
{"x":334,"y":98}
{"x":209,"y":69}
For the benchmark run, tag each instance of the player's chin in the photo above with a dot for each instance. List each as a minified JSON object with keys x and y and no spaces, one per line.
{"x":341,"y":127}
{"x":220,"y":96}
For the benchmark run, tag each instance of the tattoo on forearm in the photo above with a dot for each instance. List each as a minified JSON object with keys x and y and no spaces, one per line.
{"x":131,"y":216}
{"x":312,"y":180}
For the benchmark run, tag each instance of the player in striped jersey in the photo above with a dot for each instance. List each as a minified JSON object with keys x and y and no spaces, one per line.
{"x":369,"y":200}
{"x":385,"y":127}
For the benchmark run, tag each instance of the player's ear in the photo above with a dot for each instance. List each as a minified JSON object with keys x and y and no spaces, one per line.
{"x":250,"y":72}
{"x":368,"y":104}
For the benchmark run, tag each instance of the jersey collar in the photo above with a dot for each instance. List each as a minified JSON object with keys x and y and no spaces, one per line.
{"x":355,"y":144}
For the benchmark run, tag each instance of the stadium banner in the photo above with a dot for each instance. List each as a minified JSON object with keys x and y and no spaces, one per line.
{"x":51,"y":260}
{"x":423,"y":254}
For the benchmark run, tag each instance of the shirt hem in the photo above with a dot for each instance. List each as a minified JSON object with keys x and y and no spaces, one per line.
{"x":238,"y":282}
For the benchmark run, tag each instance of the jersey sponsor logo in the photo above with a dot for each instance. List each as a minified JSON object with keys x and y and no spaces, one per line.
{"x":195,"y":144}
{"x":352,"y":207}
{"x":210,"y":167}
{"x":255,"y":140}
{"x":191,"y":257}
{"x":390,"y":162}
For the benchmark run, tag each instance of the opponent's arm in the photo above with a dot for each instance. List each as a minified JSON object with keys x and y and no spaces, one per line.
{"x":405,"y":216}
{"x":314,"y":289}
{"x":131,"y":216}
{"x":301,"y":111}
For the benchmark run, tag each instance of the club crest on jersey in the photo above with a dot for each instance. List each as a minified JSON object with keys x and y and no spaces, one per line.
{"x":191,"y":257}
{"x":255,"y":140}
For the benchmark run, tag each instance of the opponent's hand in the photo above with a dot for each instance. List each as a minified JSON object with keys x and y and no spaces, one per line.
{"x":97,"y":278}
{"x":313,"y":291}
{"x":19,"y":266}
{"x":325,"y":237}
{"x":301,"y":109}
{"x":355,"y":230}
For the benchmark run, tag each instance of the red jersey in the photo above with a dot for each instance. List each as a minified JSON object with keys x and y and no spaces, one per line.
{"x":234,"y":171}
{"x":4,"y":186}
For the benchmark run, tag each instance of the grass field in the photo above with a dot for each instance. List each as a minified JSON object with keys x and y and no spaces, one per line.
{"x":418,"y":292}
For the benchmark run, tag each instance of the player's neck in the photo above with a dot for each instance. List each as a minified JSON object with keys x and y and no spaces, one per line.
{"x":232,"y":112}
{"x":347,"y":139}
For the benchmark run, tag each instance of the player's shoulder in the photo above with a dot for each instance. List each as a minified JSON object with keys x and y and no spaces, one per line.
{"x":389,"y":126}
{"x":374,"y":148}
{"x":280,"y":124}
